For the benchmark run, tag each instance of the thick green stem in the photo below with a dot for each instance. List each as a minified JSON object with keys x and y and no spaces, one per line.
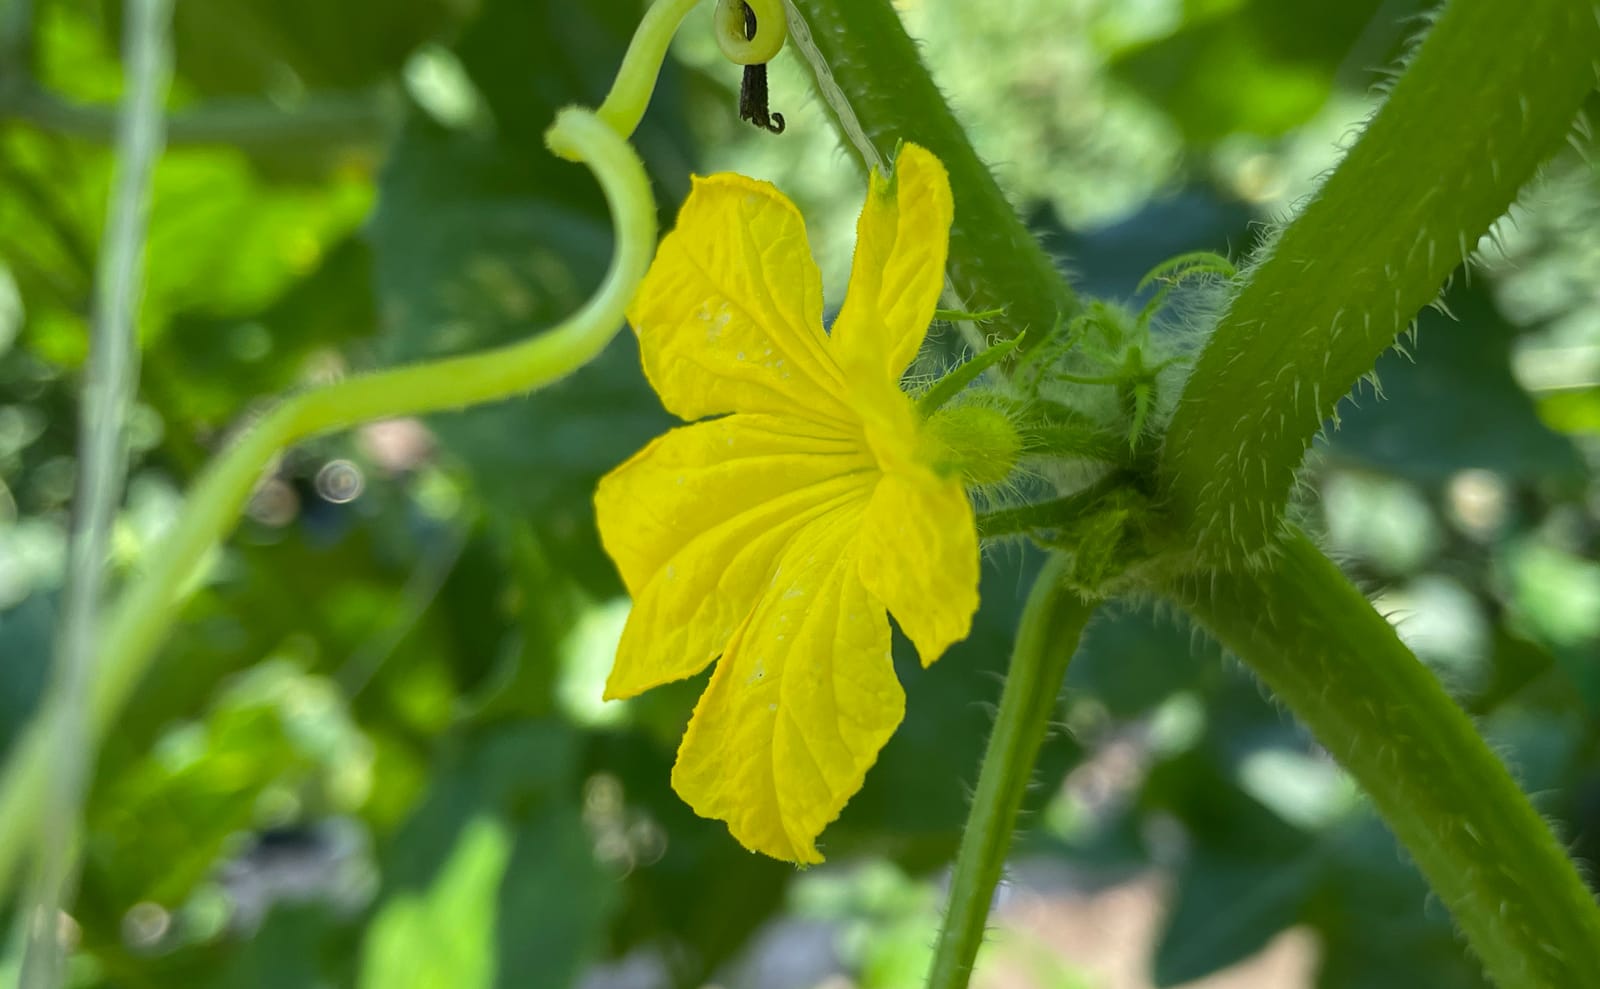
{"x":868,"y":73}
{"x":1488,"y":96}
{"x":1323,"y":650}
{"x":1052,"y":622}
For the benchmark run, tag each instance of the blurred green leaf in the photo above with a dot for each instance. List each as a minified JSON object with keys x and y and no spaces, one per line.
{"x":1426,"y":427}
{"x":493,"y":878}
{"x":1131,"y":660}
{"x":290,"y":951}
{"x":1227,"y":908}
{"x":26,"y":632}
{"x":1257,"y":66}
{"x":1246,"y":876}
{"x":208,"y":367}
{"x":234,"y":242}
{"x":287,"y":47}
{"x":163,"y":824}
{"x":444,"y":934}
{"x":1575,"y":412}
{"x":1554,"y":597}
{"x":699,"y":896}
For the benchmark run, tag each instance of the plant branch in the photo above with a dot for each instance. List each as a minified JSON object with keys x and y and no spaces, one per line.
{"x":327,"y":120}
{"x":109,"y":385}
{"x":1488,"y":95}
{"x":1051,"y":625}
{"x":1339,"y":666}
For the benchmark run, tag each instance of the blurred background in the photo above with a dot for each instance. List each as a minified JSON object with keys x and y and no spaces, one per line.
{"x":373,"y":751}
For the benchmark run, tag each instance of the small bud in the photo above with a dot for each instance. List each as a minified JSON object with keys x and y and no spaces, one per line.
{"x":975,"y":441}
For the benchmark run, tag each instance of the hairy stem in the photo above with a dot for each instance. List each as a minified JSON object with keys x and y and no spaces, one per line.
{"x":110,"y":383}
{"x":951,"y":385}
{"x":1057,"y":513}
{"x":145,"y":612}
{"x":1489,"y":94}
{"x":868,"y":73}
{"x":1323,"y":650}
{"x":1052,"y":622}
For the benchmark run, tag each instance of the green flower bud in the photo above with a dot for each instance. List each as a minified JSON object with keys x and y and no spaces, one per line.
{"x":977,"y":442}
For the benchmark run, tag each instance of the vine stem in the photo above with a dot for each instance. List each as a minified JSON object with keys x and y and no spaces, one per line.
{"x":1487,"y":97}
{"x":109,"y":385}
{"x":1047,"y":635}
{"x":145,"y":612}
{"x":1312,"y":637}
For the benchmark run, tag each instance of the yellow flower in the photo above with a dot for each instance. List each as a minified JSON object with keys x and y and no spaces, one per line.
{"x":776,"y":535}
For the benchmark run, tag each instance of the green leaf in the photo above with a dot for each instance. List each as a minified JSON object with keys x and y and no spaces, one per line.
{"x":291,"y":950}
{"x":1226,"y":909}
{"x":443,"y":933}
{"x":26,"y":632}
{"x":1554,"y":599}
{"x":211,"y":362}
{"x":1260,"y":67}
{"x":1246,"y":878}
{"x":1451,"y":403}
{"x":494,"y":876}
{"x":704,"y":891}
{"x":1573,"y":411}
{"x":1131,"y":660}
{"x":260,"y":47}
{"x":160,"y":827}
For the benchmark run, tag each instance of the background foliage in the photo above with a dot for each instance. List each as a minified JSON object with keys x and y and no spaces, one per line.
{"x":373,"y":752}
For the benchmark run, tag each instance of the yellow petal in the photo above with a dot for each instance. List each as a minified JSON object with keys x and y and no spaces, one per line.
{"x":729,"y":316}
{"x":919,"y":556}
{"x":799,"y":705}
{"x":695,"y":522}
{"x":901,"y":242}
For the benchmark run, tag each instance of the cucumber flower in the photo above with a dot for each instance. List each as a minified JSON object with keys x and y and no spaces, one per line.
{"x":777,"y":534}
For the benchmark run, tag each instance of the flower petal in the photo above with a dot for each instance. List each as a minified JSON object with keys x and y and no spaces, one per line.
{"x":919,"y":556}
{"x":799,"y":705}
{"x":695,"y":522}
{"x":902,"y":239}
{"x":729,"y":316}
